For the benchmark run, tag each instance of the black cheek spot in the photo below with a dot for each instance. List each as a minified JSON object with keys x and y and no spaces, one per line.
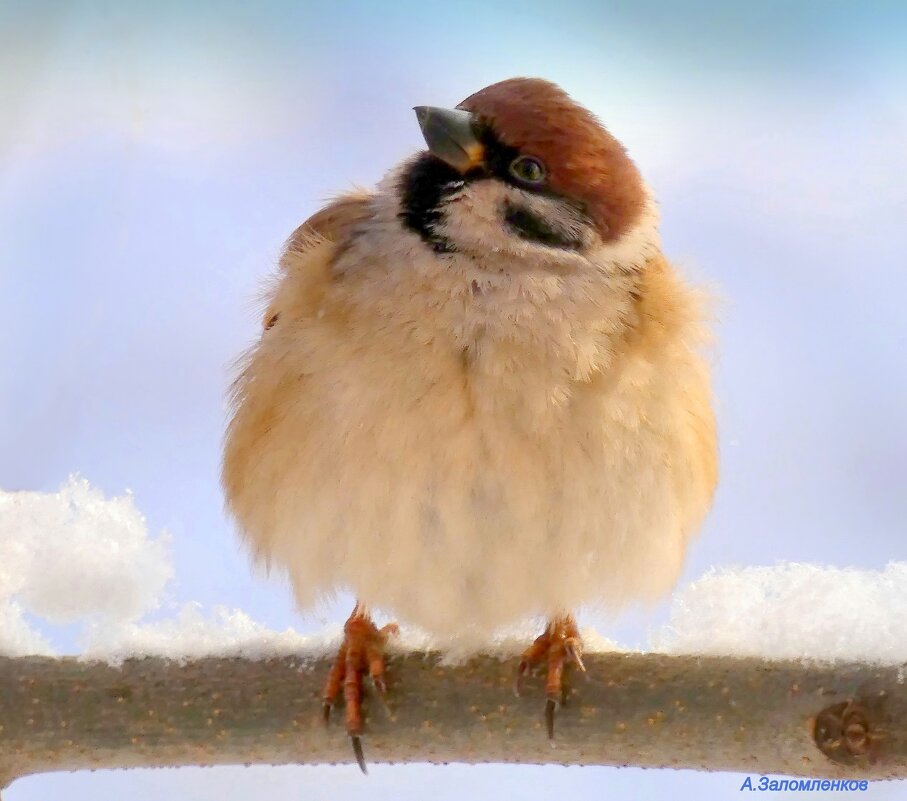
{"x":272,"y":320}
{"x":529,"y":226}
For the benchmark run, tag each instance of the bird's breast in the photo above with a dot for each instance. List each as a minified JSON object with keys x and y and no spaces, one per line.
{"x":447,"y":467}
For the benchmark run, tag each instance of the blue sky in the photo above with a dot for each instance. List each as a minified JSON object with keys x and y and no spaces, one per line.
{"x":153,"y":158}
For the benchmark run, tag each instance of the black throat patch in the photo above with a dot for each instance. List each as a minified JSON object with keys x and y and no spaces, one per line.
{"x":423,"y":188}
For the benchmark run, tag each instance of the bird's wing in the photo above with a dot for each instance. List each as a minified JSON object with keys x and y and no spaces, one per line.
{"x":335,"y":222}
{"x":267,"y":383}
{"x":333,"y":227}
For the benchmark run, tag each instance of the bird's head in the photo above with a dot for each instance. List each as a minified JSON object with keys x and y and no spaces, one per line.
{"x":520,"y":173}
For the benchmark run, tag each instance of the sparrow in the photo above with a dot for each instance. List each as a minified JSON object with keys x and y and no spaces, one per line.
{"x":479,"y":394}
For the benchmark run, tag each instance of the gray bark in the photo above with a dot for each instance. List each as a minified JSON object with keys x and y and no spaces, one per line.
{"x":651,"y":710}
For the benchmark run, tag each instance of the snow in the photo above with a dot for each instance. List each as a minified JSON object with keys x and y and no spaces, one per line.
{"x":76,"y":556}
{"x":72,"y":553}
{"x":17,"y":637}
{"x":192,"y":633}
{"x":792,"y":611}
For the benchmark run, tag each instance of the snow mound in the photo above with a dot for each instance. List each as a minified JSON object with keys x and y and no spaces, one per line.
{"x":792,"y":611}
{"x":71,"y":555}
{"x":192,"y":634}
{"x":17,"y":637}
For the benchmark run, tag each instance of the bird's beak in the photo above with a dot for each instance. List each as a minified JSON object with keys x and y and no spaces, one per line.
{"x":450,"y":135}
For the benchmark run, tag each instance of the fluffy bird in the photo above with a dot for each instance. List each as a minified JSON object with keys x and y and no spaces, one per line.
{"x":479,"y":394}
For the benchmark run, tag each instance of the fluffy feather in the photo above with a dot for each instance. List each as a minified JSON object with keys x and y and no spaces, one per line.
{"x":471,"y":438}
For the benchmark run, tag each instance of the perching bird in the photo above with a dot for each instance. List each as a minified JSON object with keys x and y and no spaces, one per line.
{"x":478,"y":395}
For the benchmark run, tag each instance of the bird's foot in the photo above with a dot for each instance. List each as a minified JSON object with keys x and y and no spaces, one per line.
{"x":558,"y":647}
{"x":362,"y":650}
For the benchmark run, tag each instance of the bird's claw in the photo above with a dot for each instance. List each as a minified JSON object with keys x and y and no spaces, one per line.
{"x":574,"y":650}
{"x":361,"y":652}
{"x":356,"y":741}
{"x":558,"y":647}
{"x":521,"y":671}
{"x":550,"y":709}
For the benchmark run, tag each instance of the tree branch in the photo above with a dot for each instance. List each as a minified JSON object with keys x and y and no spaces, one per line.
{"x":706,"y":713}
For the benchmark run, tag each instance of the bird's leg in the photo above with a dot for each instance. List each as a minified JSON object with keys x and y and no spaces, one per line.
{"x":557,"y":647}
{"x":362,"y":650}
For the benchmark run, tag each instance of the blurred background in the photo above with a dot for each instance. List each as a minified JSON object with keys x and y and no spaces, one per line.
{"x":153,"y":157}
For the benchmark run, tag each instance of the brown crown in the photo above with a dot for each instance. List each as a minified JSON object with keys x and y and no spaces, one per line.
{"x":584,"y":161}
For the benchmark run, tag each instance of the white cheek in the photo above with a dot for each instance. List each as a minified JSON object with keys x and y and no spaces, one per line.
{"x":472,"y":218}
{"x":473,"y":221}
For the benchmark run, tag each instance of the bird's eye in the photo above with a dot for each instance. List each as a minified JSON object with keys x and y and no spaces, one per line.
{"x":528,"y":170}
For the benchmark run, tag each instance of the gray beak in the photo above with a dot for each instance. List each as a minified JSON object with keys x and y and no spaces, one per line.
{"x":450,"y":135}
